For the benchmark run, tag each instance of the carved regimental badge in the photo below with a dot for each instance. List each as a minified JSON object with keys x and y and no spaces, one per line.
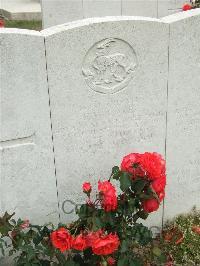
{"x":109,"y":65}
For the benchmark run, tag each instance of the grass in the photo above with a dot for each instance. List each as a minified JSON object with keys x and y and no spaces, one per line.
{"x":24,"y":24}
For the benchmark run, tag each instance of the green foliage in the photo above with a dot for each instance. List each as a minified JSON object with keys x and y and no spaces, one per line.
{"x":196,"y":3}
{"x":180,"y":239}
{"x":125,"y":181}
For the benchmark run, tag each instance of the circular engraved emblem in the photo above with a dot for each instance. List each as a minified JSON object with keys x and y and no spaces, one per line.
{"x":109,"y":65}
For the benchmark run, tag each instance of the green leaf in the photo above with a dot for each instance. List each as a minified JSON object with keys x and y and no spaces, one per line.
{"x":85,"y":211}
{"x":131,"y":205}
{"x":141,"y":234}
{"x":115,"y":172}
{"x":156,"y":251}
{"x":162,"y":258}
{"x":143,"y":215}
{"x":98,"y":222}
{"x":122,"y":261}
{"x":125,"y":181}
{"x":70,"y":263}
{"x":124,"y":246}
{"x":138,"y":185}
{"x":37,"y":239}
{"x":145,"y":196}
{"x":45,"y":262}
{"x":5,"y":225}
{"x":135,"y":262}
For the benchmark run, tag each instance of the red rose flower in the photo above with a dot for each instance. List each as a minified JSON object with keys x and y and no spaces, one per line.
{"x":179,"y":240}
{"x":196,"y":229}
{"x":2,"y":24}
{"x":131,"y":164}
{"x":87,"y":187}
{"x":152,"y":205}
{"x":153,"y":164}
{"x":79,"y":243}
{"x":25,"y":224}
{"x":61,"y":239}
{"x":159,"y":184}
{"x":108,"y":193}
{"x":111,"y":261}
{"x":161,"y":195}
{"x":105,"y":186}
{"x":92,"y":236}
{"x":105,"y":244}
{"x":186,"y":7}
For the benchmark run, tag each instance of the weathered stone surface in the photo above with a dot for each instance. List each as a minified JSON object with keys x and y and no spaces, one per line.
{"x":108,"y":90}
{"x":28,"y":184}
{"x":169,"y":7}
{"x":183,"y":119}
{"x":101,"y":8}
{"x":61,"y":11}
{"x":146,"y":8}
{"x":56,"y":12}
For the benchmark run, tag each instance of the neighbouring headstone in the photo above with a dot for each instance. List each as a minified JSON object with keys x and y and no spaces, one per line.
{"x":101,"y":8}
{"x":28,"y":184}
{"x":56,"y":12}
{"x":146,"y":8}
{"x":183,"y":119}
{"x":168,"y":7}
{"x":108,"y":91}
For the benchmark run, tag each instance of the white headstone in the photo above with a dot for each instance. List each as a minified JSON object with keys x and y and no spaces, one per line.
{"x":108,"y":90}
{"x":183,"y":119}
{"x":168,"y":7}
{"x":101,"y":8}
{"x":55,"y":12}
{"x":28,"y":184}
{"x":146,"y":8}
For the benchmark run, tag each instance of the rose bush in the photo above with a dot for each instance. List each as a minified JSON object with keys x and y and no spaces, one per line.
{"x":106,"y":231}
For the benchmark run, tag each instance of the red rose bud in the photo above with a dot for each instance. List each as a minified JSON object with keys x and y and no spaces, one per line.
{"x":61,"y":239}
{"x":25,"y":224}
{"x":186,"y":7}
{"x":111,"y":261}
{"x":87,"y":187}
